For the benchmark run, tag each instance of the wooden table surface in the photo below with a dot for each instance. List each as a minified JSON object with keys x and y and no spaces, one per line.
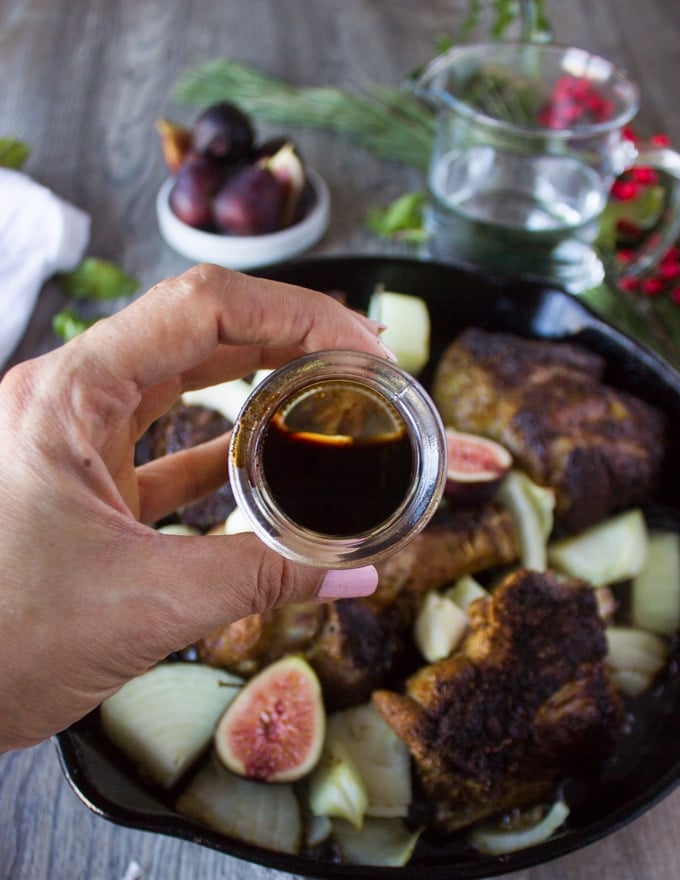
{"x":83,"y":82}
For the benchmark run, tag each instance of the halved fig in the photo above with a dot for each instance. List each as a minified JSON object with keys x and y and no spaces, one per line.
{"x":176,"y":143}
{"x":476,"y":466}
{"x":288,"y":170}
{"x":276,"y":727}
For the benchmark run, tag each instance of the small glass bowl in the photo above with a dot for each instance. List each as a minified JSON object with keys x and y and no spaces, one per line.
{"x":391,"y":405}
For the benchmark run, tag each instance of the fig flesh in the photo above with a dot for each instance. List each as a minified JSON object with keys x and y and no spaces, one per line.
{"x":176,"y":143}
{"x":287,"y":168}
{"x":476,"y":467}
{"x":274,"y":731}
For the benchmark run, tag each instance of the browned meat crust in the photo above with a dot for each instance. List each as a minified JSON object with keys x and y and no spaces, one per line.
{"x":247,"y":645}
{"x":353,"y":653}
{"x":180,"y":428}
{"x":455,"y":543}
{"x":349,"y":646}
{"x":599,"y":448}
{"x":525,"y":702}
{"x":353,"y":644}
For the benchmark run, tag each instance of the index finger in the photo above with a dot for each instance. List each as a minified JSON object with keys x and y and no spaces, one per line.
{"x":182,"y":321}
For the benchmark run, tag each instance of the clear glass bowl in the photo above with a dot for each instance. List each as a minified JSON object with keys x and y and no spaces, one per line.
{"x":338,"y":459}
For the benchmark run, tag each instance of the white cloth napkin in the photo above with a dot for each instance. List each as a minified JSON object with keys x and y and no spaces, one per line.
{"x":40,"y":234}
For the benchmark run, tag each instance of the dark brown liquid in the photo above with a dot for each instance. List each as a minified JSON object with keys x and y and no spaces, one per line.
{"x":333,"y":484}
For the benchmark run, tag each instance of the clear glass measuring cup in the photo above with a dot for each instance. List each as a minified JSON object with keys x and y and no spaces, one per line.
{"x":530,"y":138}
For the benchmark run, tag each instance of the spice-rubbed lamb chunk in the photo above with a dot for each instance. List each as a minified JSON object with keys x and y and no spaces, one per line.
{"x":353,"y":653}
{"x":456,"y":542}
{"x":350,"y":647}
{"x":352,"y":644}
{"x":525,"y":702}
{"x":180,"y":428}
{"x":247,"y":645}
{"x":600,"y":448}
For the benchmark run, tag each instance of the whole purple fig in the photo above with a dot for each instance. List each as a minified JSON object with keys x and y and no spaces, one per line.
{"x":192,"y":193}
{"x":251,"y":202}
{"x":223,"y":132}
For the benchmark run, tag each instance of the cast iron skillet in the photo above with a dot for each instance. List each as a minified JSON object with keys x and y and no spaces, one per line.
{"x":647,"y":766}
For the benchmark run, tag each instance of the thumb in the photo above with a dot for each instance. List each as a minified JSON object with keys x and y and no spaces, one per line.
{"x":215,"y":580}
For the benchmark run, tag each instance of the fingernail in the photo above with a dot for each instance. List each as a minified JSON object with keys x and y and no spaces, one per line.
{"x":388,"y":353}
{"x":376,"y":327}
{"x":351,"y":582}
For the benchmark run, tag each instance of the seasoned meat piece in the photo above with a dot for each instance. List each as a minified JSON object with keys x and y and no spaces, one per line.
{"x":455,"y":542}
{"x":353,"y":652}
{"x":598,"y":447}
{"x":180,"y":428}
{"x":525,"y":702}
{"x":247,"y":645}
{"x":348,"y":645}
{"x":354,"y":643}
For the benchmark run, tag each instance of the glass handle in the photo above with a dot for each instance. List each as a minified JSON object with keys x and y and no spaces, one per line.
{"x":668,"y":229}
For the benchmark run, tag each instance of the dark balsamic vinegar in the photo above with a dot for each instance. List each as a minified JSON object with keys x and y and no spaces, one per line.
{"x":337,"y":484}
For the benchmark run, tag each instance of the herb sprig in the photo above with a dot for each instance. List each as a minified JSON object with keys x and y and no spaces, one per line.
{"x":389,"y":122}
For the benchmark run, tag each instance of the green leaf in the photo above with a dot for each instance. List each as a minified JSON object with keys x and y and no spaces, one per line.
{"x":643,"y":211}
{"x":99,"y":280}
{"x":402,"y":218}
{"x":472,"y":19}
{"x":67,"y":324}
{"x":664,"y":317}
{"x":640,"y":318}
{"x":13,"y":153}
{"x":442,"y":43}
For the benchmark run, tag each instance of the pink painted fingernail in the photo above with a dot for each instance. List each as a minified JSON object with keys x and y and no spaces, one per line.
{"x":351,"y":582}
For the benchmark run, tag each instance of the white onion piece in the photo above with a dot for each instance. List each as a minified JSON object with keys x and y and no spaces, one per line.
{"x":611,"y":551}
{"x":494,"y":841}
{"x":164,"y":719}
{"x":263,"y":815}
{"x":656,"y":589}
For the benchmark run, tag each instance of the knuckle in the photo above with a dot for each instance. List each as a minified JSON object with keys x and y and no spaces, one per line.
{"x":280,"y":582}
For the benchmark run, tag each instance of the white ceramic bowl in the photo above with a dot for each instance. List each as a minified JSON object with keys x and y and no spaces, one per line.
{"x":245,"y":251}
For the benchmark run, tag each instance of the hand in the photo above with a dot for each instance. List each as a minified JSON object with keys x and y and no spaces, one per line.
{"x":91,"y":596}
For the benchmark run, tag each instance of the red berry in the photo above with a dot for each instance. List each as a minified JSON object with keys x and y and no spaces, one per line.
{"x":675,"y":295}
{"x":624,"y":190}
{"x":563,"y":87}
{"x":652,"y":286}
{"x":672,"y":255}
{"x":659,"y":140}
{"x":625,"y":227}
{"x":669,"y":271}
{"x":605,"y":111}
{"x":645,"y":176}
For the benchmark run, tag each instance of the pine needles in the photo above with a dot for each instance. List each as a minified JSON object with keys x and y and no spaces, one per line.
{"x":389,"y":122}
